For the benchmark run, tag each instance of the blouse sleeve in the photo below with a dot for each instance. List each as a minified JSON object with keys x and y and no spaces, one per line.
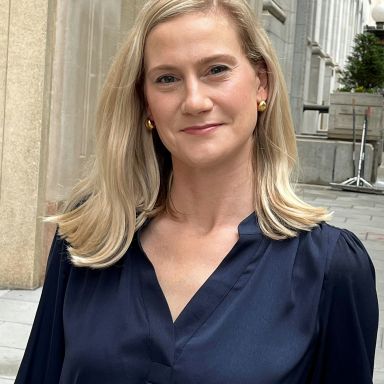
{"x":348,"y":318}
{"x":44,"y":354}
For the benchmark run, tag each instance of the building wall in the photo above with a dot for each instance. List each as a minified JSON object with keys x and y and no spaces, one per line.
{"x":54,"y":55}
{"x":25,"y":62}
{"x":334,"y":25}
{"x":313,"y":39}
{"x":53,"y":60}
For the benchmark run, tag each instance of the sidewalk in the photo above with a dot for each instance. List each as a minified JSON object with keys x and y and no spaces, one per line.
{"x":361,"y":213}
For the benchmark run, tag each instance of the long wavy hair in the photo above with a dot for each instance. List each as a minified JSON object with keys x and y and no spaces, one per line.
{"x":132,"y":172}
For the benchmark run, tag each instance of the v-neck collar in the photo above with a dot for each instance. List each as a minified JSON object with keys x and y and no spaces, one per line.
{"x":167,"y":337}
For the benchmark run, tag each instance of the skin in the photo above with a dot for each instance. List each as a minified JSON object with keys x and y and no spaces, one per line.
{"x":202,"y":93}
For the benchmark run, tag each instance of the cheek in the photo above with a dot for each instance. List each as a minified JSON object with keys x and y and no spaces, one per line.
{"x":160,"y":108}
{"x":150,"y":103}
{"x":244,"y":105}
{"x":167,"y":139}
{"x":154,"y":101}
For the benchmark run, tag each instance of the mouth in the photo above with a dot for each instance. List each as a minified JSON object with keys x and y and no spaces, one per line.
{"x":201,"y":129}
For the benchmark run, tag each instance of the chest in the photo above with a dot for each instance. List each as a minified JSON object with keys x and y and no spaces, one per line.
{"x":240,"y":327}
{"x":183,"y":263}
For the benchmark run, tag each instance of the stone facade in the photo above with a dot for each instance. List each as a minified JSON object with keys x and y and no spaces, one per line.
{"x":313,"y":39}
{"x":25,"y":62}
{"x":54,"y":55}
{"x":53,"y":59}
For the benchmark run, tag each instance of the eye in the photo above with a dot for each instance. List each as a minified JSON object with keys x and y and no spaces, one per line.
{"x":218,"y":69}
{"x":166,"y":79}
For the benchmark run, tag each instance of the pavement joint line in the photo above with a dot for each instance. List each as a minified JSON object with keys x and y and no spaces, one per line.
{"x":7,"y":346}
{"x":15,"y":322}
{"x":17,"y":300}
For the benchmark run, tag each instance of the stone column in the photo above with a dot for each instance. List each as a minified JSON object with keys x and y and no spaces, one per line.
{"x":53,"y":61}
{"x":88,"y":34}
{"x":327,"y":89}
{"x":302,"y":60}
{"x":330,"y":29}
{"x":317,"y":22}
{"x":311,"y":121}
{"x":25,"y":51}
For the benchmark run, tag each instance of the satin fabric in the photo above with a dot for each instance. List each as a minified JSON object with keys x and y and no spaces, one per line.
{"x":301,"y":310}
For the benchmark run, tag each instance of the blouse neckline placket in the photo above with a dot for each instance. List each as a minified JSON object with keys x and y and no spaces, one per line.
{"x":168,"y":337}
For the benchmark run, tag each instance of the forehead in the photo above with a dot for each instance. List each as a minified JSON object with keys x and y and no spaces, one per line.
{"x":192,"y":35}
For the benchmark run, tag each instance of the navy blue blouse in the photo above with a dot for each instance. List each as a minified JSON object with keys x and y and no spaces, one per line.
{"x":301,"y":310}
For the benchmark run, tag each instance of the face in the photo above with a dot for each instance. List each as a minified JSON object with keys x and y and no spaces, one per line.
{"x":201,"y":90}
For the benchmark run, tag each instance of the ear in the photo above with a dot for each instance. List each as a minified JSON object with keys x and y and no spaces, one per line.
{"x":262,"y":90}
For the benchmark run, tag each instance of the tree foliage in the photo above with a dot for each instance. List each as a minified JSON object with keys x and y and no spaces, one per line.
{"x":364,"y":69}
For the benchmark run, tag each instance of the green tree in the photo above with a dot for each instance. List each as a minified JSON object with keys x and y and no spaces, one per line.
{"x":364,"y":69}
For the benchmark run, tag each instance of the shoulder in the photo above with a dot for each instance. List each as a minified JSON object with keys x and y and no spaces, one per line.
{"x":347,"y":312}
{"x":341,"y":253}
{"x":346,"y":256}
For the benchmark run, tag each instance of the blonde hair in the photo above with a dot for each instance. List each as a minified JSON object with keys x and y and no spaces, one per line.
{"x":132,"y":171}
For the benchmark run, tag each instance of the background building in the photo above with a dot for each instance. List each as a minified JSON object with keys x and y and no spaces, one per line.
{"x":54,"y":55}
{"x":313,"y":39}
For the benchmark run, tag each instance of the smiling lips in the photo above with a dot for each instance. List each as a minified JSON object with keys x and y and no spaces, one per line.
{"x":201,"y":129}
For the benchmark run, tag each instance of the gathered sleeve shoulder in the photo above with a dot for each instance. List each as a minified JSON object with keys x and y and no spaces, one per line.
{"x":44,"y":353}
{"x":348,"y":317}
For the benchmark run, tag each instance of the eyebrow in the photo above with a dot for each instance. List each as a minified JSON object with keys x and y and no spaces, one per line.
{"x":203,"y":61}
{"x":228,"y":58}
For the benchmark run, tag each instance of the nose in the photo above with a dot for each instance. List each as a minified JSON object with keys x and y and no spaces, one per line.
{"x":196,"y":98}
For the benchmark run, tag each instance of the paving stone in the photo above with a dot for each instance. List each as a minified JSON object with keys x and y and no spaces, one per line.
{"x":14,"y":335}
{"x":379,"y":287}
{"x":10,"y":359}
{"x":350,"y":213}
{"x":338,"y":222}
{"x":368,"y":202}
{"x":23,"y":295}
{"x":378,"y":377}
{"x":17,"y":311}
{"x":343,"y":204}
{"x":324,"y":200}
{"x":367,"y":229}
{"x":364,"y":223}
{"x":379,"y":265}
{"x":375,"y":245}
{"x":314,"y":194}
{"x":379,"y":360}
{"x":378,"y":220}
{"x":380,"y":339}
{"x":4,"y":380}
{"x":375,"y":236}
{"x":370,"y":211}
{"x":356,"y":227}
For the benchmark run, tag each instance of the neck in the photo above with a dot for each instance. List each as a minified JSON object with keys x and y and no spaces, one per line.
{"x":211,"y":197}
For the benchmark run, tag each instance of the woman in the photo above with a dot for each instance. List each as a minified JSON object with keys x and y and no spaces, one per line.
{"x":186,"y":257}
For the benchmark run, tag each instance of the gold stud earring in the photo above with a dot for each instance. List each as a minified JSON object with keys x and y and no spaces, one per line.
{"x":149,"y":124}
{"x":262,"y":106}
